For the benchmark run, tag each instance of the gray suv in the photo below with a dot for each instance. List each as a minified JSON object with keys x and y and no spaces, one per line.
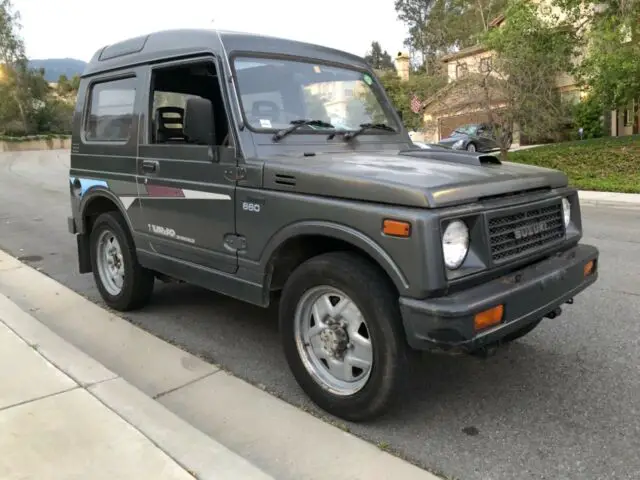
{"x":277,"y":172}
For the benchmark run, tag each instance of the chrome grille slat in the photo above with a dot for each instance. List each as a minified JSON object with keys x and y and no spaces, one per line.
{"x":538,"y":226}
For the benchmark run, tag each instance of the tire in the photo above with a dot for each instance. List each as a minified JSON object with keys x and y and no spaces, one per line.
{"x":520,"y":333}
{"x":471,"y":147}
{"x":137,"y":282}
{"x":351,"y":276}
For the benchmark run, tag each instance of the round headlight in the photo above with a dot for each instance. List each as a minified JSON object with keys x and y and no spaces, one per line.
{"x":455,"y":244}
{"x":566,"y":211}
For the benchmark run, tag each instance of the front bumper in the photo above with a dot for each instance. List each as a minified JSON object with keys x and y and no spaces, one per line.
{"x":528,"y":295}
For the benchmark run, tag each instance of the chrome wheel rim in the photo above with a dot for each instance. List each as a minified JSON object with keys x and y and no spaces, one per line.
{"x":333,"y":340}
{"x":110,"y":263}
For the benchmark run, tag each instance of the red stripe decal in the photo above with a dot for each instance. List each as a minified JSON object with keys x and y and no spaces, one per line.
{"x":162,"y":191}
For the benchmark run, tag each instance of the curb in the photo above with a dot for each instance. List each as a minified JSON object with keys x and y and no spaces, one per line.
{"x":191,"y":449}
{"x":609,"y":199}
{"x":263,"y":430}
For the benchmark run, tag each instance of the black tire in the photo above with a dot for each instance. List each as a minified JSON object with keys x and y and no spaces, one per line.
{"x":377,"y":300}
{"x":521,"y":332}
{"x":138,"y":281}
{"x":470,"y":146}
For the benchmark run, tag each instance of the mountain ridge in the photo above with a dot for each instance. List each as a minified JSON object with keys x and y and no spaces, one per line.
{"x":54,"y":67}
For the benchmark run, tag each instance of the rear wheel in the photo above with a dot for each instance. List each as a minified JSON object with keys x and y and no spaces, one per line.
{"x":342,"y":336}
{"x":471,"y":147}
{"x":122,"y":282}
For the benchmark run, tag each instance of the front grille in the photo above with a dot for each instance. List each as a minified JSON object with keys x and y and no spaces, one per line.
{"x":513,"y":235}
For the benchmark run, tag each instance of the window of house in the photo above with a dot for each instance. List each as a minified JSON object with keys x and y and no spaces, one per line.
{"x":485,"y":65}
{"x":461,"y":70}
{"x":171,"y":90}
{"x":111,"y":108}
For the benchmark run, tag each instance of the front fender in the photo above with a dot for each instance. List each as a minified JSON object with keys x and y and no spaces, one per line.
{"x":93,"y":193}
{"x":339,"y":232}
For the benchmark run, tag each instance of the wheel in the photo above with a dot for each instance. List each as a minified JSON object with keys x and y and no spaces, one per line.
{"x":342,"y":335}
{"x":521,"y":332}
{"x":122,"y":282}
{"x":471,"y":147}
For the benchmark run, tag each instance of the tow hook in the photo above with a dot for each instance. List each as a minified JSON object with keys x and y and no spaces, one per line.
{"x":486,"y":351}
{"x":554,"y":313}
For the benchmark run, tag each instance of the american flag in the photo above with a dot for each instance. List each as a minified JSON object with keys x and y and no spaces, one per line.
{"x":416,"y":104}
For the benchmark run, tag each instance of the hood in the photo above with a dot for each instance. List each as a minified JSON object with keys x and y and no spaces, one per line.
{"x":414,"y":178}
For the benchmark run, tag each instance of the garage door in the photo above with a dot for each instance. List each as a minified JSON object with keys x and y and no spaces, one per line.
{"x":449,"y":124}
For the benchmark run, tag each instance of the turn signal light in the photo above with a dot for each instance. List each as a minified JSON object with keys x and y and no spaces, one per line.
{"x":589,"y":268}
{"x":396,"y":228}
{"x":488,"y":318}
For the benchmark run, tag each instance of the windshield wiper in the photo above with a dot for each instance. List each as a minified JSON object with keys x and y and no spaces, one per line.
{"x":296,"y":124}
{"x":368,"y":126}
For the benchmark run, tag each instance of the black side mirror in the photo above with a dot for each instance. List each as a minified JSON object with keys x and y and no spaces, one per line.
{"x":400,"y":114}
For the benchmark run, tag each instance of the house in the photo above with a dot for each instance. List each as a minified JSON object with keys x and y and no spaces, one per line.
{"x":462,"y":101}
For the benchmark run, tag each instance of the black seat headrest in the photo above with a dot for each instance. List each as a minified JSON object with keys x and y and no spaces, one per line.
{"x":169,"y":123}
{"x":198,"y":121}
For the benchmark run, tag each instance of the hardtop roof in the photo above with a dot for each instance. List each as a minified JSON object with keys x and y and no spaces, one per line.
{"x":175,"y":43}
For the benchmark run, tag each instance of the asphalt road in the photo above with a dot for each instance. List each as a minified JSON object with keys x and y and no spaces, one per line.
{"x":562,"y":403}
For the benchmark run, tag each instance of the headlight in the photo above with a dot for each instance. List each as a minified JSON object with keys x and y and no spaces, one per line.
{"x":455,"y":244}
{"x":566,"y":211}
{"x":458,"y":144}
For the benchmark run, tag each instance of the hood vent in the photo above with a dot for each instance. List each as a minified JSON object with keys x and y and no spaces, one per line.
{"x":284,"y":179}
{"x":454,"y":156}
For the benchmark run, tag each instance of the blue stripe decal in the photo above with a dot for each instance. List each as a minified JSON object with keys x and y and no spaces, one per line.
{"x":88,"y":183}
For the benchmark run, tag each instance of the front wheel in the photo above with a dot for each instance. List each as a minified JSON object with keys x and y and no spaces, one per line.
{"x":342,"y":336}
{"x":471,"y":147}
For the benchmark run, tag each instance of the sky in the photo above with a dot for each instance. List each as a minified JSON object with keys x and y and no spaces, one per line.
{"x":77,"y":28}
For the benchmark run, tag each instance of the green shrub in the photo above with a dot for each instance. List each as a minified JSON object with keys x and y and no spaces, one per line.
{"x":610,"y":164}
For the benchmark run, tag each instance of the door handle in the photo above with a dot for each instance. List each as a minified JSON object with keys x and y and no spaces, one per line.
{"x":150,"y":166}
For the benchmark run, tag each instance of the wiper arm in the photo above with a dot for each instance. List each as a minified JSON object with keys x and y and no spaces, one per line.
{"x":296,"y":124}
{"x":369,"y":126}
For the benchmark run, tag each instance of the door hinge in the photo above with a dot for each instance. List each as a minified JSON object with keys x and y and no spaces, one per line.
{"x":235,"y":242}
{"x":234,"y":174}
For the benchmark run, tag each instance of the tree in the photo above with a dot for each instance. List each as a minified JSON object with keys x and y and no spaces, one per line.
{"x":14,"y":62}
{"x":437,"y":27}
{"x":611,"y":68}
{"x":517,"y":87}
{"x":378,"y":59}
{"x":401,"y":92}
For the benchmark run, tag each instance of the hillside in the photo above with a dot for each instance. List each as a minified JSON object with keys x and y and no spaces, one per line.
{"x":54,"y":67}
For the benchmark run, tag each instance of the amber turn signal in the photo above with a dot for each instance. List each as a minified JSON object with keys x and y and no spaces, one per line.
{"x":589,"y":267}
{"x":488,"y":318}
{"x":396,"y":228}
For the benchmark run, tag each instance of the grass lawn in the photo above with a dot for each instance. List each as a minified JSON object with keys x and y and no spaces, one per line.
{"x":609,"y":164}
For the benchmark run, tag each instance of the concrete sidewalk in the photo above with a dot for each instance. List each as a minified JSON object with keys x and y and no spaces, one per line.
{"x":65,"y":416}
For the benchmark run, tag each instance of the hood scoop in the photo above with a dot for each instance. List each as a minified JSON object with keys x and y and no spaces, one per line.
{"x":453,"y":156}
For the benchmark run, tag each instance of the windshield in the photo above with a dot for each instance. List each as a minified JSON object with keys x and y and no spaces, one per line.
{"x":274,"y":93}
{"x":465,"y":130}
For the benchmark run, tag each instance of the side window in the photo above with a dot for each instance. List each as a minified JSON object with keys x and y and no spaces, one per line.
{"x":187,"y":106}
{"x":110,"y":113}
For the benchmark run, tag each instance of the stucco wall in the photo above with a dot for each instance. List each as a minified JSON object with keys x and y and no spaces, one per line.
{"x":49,"y":144}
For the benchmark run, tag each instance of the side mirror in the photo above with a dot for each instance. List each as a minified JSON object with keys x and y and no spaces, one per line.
{"x":400,"y":114}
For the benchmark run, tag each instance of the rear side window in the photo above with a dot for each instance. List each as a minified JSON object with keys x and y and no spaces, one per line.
{"x":111,"y":107}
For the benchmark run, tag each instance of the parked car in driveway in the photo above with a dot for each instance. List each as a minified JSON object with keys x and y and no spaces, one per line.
{"x":473,"y":137}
